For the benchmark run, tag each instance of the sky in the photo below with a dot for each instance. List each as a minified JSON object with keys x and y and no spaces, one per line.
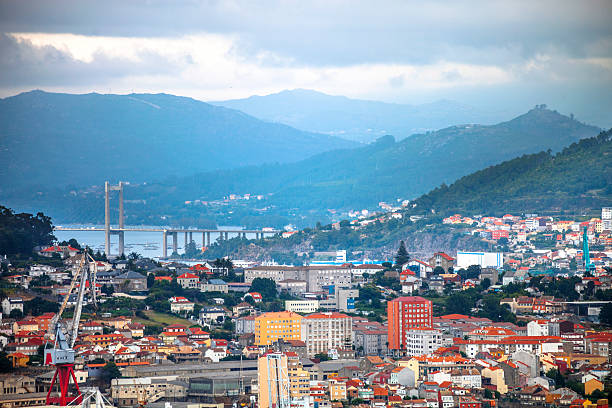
{"x":503,"y":55}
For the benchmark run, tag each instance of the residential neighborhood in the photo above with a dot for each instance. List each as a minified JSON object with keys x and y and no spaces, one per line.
{"x":468,"y":329}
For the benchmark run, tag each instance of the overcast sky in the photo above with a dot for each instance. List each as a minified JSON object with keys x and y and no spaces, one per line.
{"x":504,"y":55}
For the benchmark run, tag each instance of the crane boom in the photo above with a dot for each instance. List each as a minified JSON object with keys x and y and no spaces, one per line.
{"x":55,"y":321}
{"x":78,"y":306}
{"x":62,"y":354}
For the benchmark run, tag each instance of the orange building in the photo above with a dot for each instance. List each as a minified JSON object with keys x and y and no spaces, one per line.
{"x":404,"y":314}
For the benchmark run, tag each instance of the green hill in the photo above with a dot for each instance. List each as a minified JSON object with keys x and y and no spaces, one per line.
{"x":579,"y":177}
{"x":575,"y":180}
{"x":387,"y":169}
{"x":52,"y":139}
{"x":308,"y":191}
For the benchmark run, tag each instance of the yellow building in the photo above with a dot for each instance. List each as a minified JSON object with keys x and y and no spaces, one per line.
{"x":272,"y":326}
{"x":281,"y":377}
{"x":299,"y":379}
{"x":337,"y":390}
{"x":411,"y":364}
{"x":496,"y":374}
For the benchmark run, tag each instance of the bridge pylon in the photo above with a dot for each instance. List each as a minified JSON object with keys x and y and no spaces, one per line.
{"x":107,"y":223}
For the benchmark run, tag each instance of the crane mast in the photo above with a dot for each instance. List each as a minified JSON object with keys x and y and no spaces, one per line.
{"x":62,"y":354}
{"x":588,"y":266}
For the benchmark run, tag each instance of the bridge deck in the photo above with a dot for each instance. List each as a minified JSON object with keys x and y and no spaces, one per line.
{"x":172,"y":230}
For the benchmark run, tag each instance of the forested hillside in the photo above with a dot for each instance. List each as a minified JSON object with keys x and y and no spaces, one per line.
{"x":52,"y":139}
{"x":578,"y":177}
{"x":334,"y":181}
{"x":576,"y":180}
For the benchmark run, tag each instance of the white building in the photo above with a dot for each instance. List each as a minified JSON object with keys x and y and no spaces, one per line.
{"x":538,"y":328}
{"x":12,"y":303}
{"x":39,"y":270}
{"x":301,"y":306}
{"x":484,"y":259}
{"x":422,"y":269}
{"x":179,"y":304}
{"x":422,"y":341}
{"x":324,"y":331}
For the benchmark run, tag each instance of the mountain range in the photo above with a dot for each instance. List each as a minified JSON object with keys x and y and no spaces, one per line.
{"x":387,"y":169}
{"x":576,"y":180}
{"x":356,"y":119}
{"x":52,"y":139}
{"x":173,"y":149}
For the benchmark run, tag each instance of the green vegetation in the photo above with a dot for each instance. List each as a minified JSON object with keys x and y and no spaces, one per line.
{"x":577,"y":178}
{"x":153,"y":318}
{"x":402,"y":256}
{"x":266,"y":287}
{"x":20,"y":233}
{"x":605,"y":316}
{"x":39,"y":306}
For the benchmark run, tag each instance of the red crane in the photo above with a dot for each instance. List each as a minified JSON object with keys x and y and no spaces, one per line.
{"x":62,"y":353}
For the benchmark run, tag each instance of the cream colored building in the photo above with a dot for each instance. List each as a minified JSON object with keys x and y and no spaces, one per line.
{"x":280,"y":376}
{"x":324,"y":331}
{"x":302,"y":306}
{"x":133,"y":391}
{"x":496,"y":374}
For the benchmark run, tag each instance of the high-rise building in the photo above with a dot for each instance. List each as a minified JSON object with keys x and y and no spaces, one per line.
{"x":324,"y":331}
{"x":273,"y":380}
{"x":281,"y":380}
{"x":606,"y":218}
{"x":272,"y":326}
{"x":404,"y":314}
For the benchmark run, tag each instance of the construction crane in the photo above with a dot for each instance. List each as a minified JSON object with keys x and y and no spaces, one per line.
{"x":588,"y":266}
{"x":61,"y":355}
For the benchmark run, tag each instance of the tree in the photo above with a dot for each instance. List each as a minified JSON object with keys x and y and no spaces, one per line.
{"x":20,"y":233}
{"x":110,"y":371}
{"x":191,"y":250}
{"x":5,"y":363}
{"x":16,"y":314}
{"x":402,"y":255}
{"x":266,"y":287}
{"x":485,"y":283}
{"x":605,"y":315}
{"x":150,"y":280}
{"x":133,"y":256}
{"x":322,"y":356}
{"x":108,"y":290}
{"x":459,"y":303}
{"x":39,"y":306}
{"x":557,"y":376}
{"x":438,"y":270}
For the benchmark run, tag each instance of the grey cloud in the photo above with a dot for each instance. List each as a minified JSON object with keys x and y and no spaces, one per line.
{"x":25,"y":65}
{"x":340,"y":32}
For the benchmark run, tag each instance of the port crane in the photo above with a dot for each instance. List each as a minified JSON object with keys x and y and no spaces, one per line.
{"x":588,"y":265}
{"x":61,"y":355}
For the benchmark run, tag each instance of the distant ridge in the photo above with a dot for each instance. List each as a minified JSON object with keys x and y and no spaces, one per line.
{"x":387,"y":169}
{"x":59,"y":139}
{"x":356,"y":119}
{"x":338,"y":180}
{"x":575,"y":180}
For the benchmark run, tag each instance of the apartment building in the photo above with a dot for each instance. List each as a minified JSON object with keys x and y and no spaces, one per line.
{"x":404,"y":314}
{"x":272,"y":326}
{"x":324,"y":331}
